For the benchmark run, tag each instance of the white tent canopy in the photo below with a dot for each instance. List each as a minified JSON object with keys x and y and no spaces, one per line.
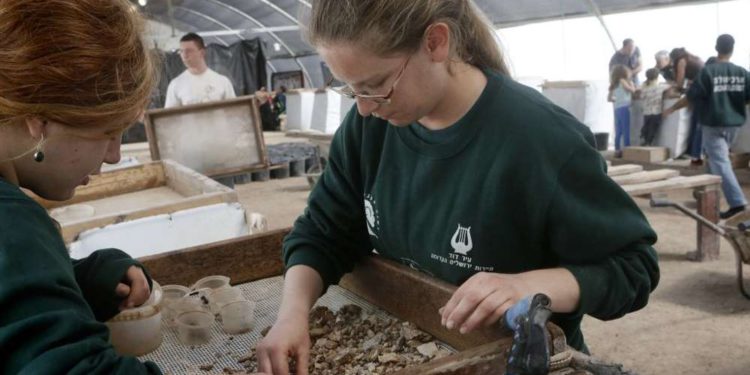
{"x":277,"y":21}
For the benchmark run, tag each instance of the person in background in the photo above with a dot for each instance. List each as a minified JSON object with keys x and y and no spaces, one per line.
{"x":630,"y":56}
{"x":686,"y":67}
{"x":279,"y":100}
{"x":74,"y":74}
{"x":268,"y":117}
{"x":621,"y":91}
{"x":449,"y":166}
{"x":198,"y":83}
{"x":664,"y":66}
{"x":725,"y":90}
{"x":652,"y":94}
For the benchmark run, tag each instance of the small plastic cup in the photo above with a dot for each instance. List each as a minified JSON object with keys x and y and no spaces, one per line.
{"x":188,"y":304}
{"x":237,"y":317}
{"x":217,"y":298}
{"x":194,"y":328}
{"x":172,"y":292}
{"x":170,"y":295}
{"x":137,"y":331}
{"x":211,"y":282}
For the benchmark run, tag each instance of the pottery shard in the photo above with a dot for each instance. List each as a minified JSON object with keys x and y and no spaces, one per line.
{"x":317,"y":332}
{"x":264,"y":332}
{"x":321,"y":343}
{"x":388,"y":358}
{"x":344,"y":356}
{"x":428,"y":350}
{"x":409,"y":331}
{"x":373,"y":341}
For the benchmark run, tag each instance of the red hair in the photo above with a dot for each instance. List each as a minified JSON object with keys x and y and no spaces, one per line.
{"x":81,"y":63}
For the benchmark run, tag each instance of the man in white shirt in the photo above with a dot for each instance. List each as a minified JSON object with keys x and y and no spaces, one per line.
{"x":197,"y":84}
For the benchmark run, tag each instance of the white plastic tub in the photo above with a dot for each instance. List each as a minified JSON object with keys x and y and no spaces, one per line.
{"x":137,"y":331}
{"x":586,"y":101}
{"x":163,"y":233}
{"x":326,"y":114}
{"x":299,"y":108}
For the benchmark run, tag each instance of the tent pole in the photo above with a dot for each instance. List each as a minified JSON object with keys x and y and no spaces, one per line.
{"x":272,"y":34}
{"x":170,"y":10}
{"x":597,"y":12}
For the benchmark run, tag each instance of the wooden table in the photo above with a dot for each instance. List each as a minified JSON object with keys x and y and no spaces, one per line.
{"x":645,"y":184}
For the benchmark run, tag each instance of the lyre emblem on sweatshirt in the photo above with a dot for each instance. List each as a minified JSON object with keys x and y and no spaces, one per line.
{"x":371,"y":216}
{"x":461,"y":241}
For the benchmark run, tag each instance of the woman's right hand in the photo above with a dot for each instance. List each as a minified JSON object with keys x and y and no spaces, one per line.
{"x":288,"y":338}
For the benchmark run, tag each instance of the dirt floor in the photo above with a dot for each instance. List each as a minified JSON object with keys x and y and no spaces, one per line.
{"x":697,"y":322}
{"x":280,"y":201}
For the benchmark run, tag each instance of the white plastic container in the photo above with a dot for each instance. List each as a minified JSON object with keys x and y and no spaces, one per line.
{"x":194,"y":328}
{"x":237,"y":317}
{"x":168,"y":232}
{"x":586,"y":101}
{"x":217,"y":298}
{"x":299,"y":108}
{"x":211,"y":282}
{"x":172,"y":295}
{"x":326,"y":114}
{"x":137,"y":331}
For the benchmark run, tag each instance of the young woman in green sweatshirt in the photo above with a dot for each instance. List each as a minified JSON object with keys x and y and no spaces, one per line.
{"x":449,"y":166}
{"x":73,"y":75}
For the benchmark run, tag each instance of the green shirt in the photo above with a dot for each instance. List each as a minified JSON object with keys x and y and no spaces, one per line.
{"x":52,"y":306}
{"x":722,"y":91}
{"x":515,"y":185}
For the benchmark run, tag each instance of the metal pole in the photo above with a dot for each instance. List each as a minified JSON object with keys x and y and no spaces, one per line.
{"x":597,"y":12}
{"x":170,"y":12}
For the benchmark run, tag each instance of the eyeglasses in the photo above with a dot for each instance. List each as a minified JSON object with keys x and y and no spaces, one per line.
{"x":378,"y":99}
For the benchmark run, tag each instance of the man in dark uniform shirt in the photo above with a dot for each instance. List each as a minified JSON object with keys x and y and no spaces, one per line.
{"x":723,"y":89}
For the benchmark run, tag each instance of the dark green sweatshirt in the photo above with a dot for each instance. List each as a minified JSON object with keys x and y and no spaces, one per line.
{"x":515,"y":185}
{"x":51,"y":307}
{"x":722,"y":90}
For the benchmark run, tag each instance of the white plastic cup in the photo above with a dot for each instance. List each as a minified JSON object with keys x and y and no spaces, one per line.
{"x":137,"y":331}
{"x":217,"y":298}
{"x":171,"y":294}
{"x":194,"y":327}
{"x":211,"y":282}
{"x":237,"y":317}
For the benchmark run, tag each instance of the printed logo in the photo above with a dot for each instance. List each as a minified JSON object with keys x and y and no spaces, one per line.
{"x":371,"y":216}
{"x":461,"y":241}
{"x":462,"y":244}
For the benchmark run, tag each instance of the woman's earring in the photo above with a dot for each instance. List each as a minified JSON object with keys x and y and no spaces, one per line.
{"x":39,"y":155}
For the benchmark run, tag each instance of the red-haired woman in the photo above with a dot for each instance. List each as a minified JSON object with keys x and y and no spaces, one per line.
{"x":73,"y":75}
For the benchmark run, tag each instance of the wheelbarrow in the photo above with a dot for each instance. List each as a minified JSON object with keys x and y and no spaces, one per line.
{"x":735,"y":230}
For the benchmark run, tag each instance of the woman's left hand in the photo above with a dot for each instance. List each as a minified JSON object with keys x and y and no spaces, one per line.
{"x":482,"y":300}
{"x":133,"y":288}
